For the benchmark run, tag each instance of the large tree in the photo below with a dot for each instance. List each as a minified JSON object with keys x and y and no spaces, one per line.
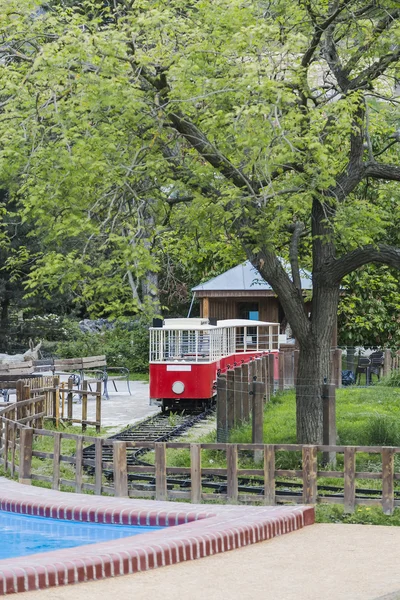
{"x":275,"y":117}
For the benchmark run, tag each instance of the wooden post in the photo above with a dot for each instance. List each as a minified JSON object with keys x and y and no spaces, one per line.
{"x":281,"y":358}
{"x":56,"y":397}
{"x":336,"y":367}
{"x":231,"y":471}
{"x":310,"y":468}
{"x":69,"y":399}
{"x":120,"y":470}
{"x":12,"y":440}
{"x":195,"y":473}
{"x":98,"y":466}
{"x":222,"y":409}
{"x":56,"y":461}
{"x":62,"y":400}
{"x":329,"y":422}
{"x":349,"y":478}
{"x":387,"y":363}
{"x":271,"y":364}
{"x":264,"y":361}
{"x":84,"y":404}
{"x":25,"y":456}
{"x":78,"y":464}
{"x":269,"y":474}
{"x":6,"y":444}
{"x":245,"y":392}
{"x":237,"y":395}
{"x":257,"y":436}
{"x":388,"y":480}
{"x":161,"y":470}
{"x":205,"y":308}
{"x":98,"y":407}
{"x":230,"y":399}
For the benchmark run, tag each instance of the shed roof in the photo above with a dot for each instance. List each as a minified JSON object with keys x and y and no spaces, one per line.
{"x":245,"y":277}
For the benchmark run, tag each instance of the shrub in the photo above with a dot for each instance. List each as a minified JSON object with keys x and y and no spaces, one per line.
{"x":125,"y":345}
{"x":382,"y":430}
{"x":392,"y":380}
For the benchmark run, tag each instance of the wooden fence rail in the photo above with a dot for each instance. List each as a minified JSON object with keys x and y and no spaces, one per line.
{"x":111,"y":472}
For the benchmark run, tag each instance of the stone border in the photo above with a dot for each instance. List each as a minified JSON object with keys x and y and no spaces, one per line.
{"x":203,"y":530}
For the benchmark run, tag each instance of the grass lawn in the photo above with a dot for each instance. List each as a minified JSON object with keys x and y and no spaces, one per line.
{"x":364,"y":416}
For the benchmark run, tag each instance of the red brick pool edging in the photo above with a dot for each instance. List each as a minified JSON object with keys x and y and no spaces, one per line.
{"x":202,"y":530}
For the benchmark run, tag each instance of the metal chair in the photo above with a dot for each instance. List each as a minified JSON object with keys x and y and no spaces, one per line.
{"x":376,"y":359}
{"x":363,"y":366}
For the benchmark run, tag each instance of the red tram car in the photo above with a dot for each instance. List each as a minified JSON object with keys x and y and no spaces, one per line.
{"x":187,"y":354}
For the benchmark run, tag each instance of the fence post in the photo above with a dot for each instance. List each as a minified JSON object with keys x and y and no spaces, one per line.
{"x":237,"y":395}
{"x":336,"y":367}
{"x":231,"y":471}
{"x":222,"y":409}
{"x":98,"y":468}
{"x":329,"y":422}
{"x":310,"y":467}
{"x":388,"y":480}
{"x":161,"y":470}
{"x":271,"y":364}
{"x":25,"y":456}
{"x":258,"y":418}
{"x":84,"y":404}
{"x":245,"y":392}
{"x":387,"y":363}
{"x":98,"y":407}
{"x":120,"y":469}
{"x":56,"y":461}
{"x":195,"y":473}
{"x":349,"y":479}
{"x":230,"y":399}
{"x":56,"y":400}
{"x":78,"y":464}
{"x":69,"y":399}
{"x":269,"y":474}
{"x":281,"y":358}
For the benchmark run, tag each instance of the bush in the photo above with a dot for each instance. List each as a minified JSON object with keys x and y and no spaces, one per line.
{"x":125,"y":345}
{"x":392,"y":380}
{"x":381,"y":430}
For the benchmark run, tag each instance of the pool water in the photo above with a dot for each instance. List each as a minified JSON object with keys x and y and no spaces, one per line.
{"x":21,"y":535}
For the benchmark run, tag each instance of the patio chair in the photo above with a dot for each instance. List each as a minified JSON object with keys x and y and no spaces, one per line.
{"x":376,"y":359}
{"x":363,"y":366}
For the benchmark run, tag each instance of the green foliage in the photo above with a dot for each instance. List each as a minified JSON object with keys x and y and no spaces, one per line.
{"x":381,"y":430}
{"x":392,"y":380}
{"x":126,"y":345}
{"x":369,"y":310}
{"x":363,"y":515}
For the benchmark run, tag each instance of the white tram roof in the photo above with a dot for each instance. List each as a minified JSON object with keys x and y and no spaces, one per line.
{"x":243,"y":323}
{"x":202,"y":324}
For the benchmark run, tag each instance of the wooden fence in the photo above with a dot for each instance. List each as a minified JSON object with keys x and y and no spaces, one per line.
{"x":200,"y":481}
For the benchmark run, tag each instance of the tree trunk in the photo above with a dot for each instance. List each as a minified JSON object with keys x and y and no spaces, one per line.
{"x":314,"y":367}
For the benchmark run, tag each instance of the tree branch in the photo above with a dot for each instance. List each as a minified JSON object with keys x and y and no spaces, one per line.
{"x":297,"y":230}
{"x":383,"y":25}
{"x":381,"y":171}
{"x":318,"y":31}
{"x":382,"y":253}
{"x":272,"y":271}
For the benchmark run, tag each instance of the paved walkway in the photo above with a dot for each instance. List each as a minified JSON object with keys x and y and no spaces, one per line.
{"x":322,"y":562}
{"x":121,"y":409}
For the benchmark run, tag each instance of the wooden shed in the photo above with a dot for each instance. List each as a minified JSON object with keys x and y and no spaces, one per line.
{"x":241,"y":293}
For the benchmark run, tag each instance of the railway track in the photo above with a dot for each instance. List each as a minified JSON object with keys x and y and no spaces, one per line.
{"x":161,"y":427}
{"x":164,"y":427}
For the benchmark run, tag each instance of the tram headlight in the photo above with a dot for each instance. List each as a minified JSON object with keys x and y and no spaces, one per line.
{"x":178,"y":387}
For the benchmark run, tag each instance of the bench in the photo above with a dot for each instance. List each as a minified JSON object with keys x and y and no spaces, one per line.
{"x":91,"y":366}
{"x":10,"y":373}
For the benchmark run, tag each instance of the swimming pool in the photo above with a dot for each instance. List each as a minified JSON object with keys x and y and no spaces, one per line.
{"x":21,"y":535}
